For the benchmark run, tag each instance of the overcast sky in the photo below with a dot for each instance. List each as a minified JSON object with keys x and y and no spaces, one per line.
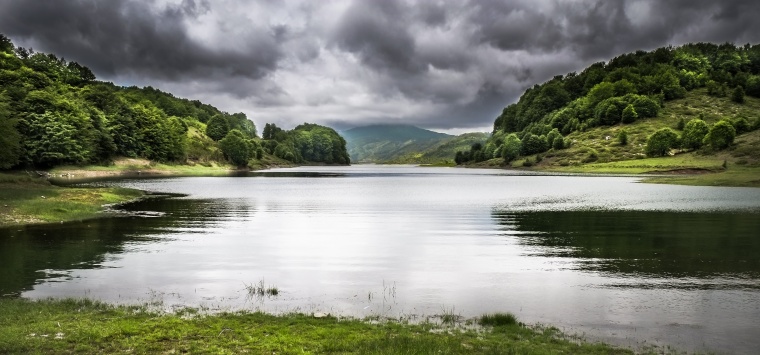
{"x":445,"y":65}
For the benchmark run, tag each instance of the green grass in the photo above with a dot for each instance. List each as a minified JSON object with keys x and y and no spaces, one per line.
{"x":27,"y":200}
{"x":142,"y":166}
{"x":87,"y":327}
{"x":498,"y":319}
{"x":597,"y":151}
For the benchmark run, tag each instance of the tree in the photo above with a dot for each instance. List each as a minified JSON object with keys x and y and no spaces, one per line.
{"x":694,"y":134}
{"x":459,"y":158}
{"x":646,"y":107}
{"x":236,"y":148}
{"x":738,"y":95}
{"x":10,"y":139}
{"x":622,"y":137}
{"x":533,"y":144}
{"x":629,"y":114}
{"x":553,"y":136}
{"x":753,"y":86}
{"x":5,"y":44}
{"x":511,"y":148}
{"x":217,"y":128}
{"x":681,"y":124}
{"x":660,"y":142}
{"x":721,"y":135}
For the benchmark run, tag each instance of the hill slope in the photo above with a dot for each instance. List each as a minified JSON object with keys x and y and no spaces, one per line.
{"x":380,"y":143}
{"x":54,"y":113}
{"x":405,"y":144}
{"x":687,"y":108}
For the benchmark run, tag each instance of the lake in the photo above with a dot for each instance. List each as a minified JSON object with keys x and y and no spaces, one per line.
{"x":606,"y":257}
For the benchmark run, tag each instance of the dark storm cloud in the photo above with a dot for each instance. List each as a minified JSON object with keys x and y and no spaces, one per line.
{"x":120,"y":37}
{"x":439,"y":64}
{"x":375,"y":31}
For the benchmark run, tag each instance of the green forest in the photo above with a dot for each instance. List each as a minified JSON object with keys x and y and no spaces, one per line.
{"x":626,"y":91}
{"x":54,"y":112}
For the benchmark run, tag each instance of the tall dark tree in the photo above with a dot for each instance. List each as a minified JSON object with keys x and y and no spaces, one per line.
{"x":217,"y":128}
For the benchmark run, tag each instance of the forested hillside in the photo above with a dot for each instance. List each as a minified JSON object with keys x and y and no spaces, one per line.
{"x":54,"y":112}
{"x":634,"y":103}
{"x":406,"y":144}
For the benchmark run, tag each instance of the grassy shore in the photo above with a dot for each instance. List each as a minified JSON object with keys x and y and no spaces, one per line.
{"x":87,"y":327}
{"x":29,"y":200}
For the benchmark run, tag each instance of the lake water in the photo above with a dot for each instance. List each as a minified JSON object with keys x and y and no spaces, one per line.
{"x":617,"y":260}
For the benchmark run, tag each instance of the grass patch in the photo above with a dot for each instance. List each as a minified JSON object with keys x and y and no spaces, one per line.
{"x":260,"y":290}
{"x":25,"y":200}
{"x":87,"y":327}
{"x":498,"y":319}
{"x":598,"y":151}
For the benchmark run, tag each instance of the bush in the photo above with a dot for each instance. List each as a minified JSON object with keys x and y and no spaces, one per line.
{"x":236,"y":148}
{"x":629,"y":114}
{"x":622,"y":137}
{"x":753,"y":86}
{"x":659,"y":143}
{"x":511,"y":148}
{"x":721,"y":135}
{"x":217,"y":128}
{"x":741,"y":125}
{"x":646,"y":107}
{"x":498,"y":319}
{"x":552,"y":136}
{"x":681,"y":124}
{"x":533,"y":144}
{"x":558,"y":143}
{"x":694,"y":134}
{"x":738,"y":95}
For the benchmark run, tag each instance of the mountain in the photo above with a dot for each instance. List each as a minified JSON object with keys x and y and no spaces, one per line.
{"x":404,"y":144}
{"x":693,"y":105}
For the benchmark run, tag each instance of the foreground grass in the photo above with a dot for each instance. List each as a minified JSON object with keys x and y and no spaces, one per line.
{"x":86,"y":327}
{"x":28,"y":200}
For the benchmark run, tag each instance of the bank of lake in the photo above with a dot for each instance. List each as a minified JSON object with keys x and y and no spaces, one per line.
{"x":90,"y":327}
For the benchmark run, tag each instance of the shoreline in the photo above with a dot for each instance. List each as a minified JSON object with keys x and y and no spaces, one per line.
{"x":652,"y":171}
{"x":89,"y":327}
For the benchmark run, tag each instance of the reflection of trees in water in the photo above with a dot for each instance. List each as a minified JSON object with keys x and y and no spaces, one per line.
{"x":643,"y":243}
{"x":27,"y":253}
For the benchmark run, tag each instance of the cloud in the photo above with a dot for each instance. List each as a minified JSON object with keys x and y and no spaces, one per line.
{"x":450,"y":65}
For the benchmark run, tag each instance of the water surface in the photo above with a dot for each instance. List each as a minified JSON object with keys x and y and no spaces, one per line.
{"x":618,"y":260}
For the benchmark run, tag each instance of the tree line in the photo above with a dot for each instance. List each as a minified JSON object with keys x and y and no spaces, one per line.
{"x":54,"y":112}
{"x":628,"y":88}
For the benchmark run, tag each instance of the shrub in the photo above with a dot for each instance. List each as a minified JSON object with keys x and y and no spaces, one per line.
{"x":558,"y":143}
{"x":660,"y":142}
{"x":646,"y":107}
{"x":622,"y":137}
{"x":629,"y":114}
{"x":738,"y":95}
{"x":511,"y":148}
{"x":741,"y":125}
{"x":721,"y":135}
{"x":236,"y":148}
{"x":552,"y":136}
{"x":217,"y":128}
{"x":498,"y":319}
{"x":533,"y":144}
{"x":681,"y":124}
{"x":694,"y":134}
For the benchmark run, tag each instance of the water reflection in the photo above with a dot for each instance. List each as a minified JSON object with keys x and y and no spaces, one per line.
{"x":645,"y":244}
{"x":31,"y":255}
{"x":607,"y":256}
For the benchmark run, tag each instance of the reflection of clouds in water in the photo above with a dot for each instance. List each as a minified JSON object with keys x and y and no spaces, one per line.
{"x":545,"y":247}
